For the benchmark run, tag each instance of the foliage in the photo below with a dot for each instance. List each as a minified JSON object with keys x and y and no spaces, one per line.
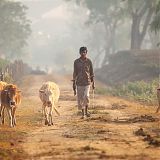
{"x":106,"y":11}
{"x":155,"y":25}
{"x":3,"y":63}
{"x":14,"y":28}
{"x":141,"y":91}
{"x":8,"y":78}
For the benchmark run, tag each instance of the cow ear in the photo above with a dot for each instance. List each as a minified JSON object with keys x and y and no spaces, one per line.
{"x":42,"y":91}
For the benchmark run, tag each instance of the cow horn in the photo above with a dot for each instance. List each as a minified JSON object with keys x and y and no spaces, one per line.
{"x":42,"y":91}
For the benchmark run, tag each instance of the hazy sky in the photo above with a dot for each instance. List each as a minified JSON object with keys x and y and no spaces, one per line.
{"x":58,"y":27}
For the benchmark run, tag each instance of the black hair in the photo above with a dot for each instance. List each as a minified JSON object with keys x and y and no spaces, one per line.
{"x":82,"y":49}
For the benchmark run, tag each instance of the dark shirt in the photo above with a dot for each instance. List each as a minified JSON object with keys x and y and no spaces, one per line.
{"x":83,"y":72}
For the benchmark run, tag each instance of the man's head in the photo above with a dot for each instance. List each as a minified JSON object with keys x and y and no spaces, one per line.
{"x":83,"y":52}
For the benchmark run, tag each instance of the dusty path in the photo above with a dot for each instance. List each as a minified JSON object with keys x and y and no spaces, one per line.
{"x":106,"y":135}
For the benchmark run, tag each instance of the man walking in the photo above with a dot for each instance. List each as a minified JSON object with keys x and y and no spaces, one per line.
{"x":83,"y":77}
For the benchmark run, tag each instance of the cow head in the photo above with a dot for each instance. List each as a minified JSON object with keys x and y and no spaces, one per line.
{"x":47,"y":95}
{"x":12,"y":91}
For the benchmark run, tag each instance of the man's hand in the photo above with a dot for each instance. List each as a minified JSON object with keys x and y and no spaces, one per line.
{"x":93,"y":85}
{"x":74,"y":87}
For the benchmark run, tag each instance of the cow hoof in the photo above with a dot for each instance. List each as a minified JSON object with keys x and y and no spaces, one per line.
{"x":49,"y":124}
{"x":46,"y":122}
{"x":52,"y":124}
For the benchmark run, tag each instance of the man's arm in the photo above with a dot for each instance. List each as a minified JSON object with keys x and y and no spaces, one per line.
{"x":74,"y":78}
{"x":92,"y":75}
{"x":74,"y":71}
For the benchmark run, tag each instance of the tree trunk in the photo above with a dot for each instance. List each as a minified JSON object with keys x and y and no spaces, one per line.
{"x":97,"y":59}
{"x":135,"y":37}
{"x":138,"y":34}
{"x":110,"y":47}
{"x":154,"y":39}
{"x":105,"y":59}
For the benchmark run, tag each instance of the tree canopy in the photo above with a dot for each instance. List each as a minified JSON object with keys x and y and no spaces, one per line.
{"x":14,"y":28}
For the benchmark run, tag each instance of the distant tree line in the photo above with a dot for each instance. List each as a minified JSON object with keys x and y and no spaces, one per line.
{"x":13,"y":71}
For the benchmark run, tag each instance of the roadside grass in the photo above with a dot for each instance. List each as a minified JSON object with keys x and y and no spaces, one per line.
{"x":140,"y":91}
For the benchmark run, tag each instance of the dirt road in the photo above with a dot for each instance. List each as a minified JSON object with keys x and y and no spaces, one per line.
{"x":110,"y":132}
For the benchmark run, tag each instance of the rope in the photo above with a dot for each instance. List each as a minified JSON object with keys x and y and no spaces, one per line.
{"x":93,"y":98}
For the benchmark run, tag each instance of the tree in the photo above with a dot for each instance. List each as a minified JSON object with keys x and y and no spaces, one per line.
{"x":141,"y":12}
{"x":115,"y":13}
{"x":112,"y":13}
{"x":108,"y":12}
{"x":14,"y":28}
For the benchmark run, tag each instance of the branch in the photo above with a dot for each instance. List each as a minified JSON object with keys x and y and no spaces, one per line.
{"x":144,"y":8}
{"x":146,"y":23}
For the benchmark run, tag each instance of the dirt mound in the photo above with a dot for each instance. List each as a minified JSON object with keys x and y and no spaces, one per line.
{"x":131,"y":65}
{"x":98,"y":107}
{"x":143,"y":118}
{"x":147,"y":137}
{"x":138,"y":119}
{"x":118,"y":106}
{"x":101,"y":119}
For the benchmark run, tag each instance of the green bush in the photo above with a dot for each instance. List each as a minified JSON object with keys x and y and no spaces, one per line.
{"x":141,"y":91}
{"x":3,"y":63}
{"x":8,"y":78}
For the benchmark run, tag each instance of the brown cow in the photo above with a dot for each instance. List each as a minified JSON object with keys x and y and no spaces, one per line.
{"x":158,"y":97}
{"x":2,"y":85}
{"x":10,"y":98}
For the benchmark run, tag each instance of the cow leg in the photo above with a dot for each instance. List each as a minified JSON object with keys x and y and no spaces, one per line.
{"x":46,"y":115}
{"x":14,"y":117}
{"x":0,"y":110}
{"x":158,"y":98}
{"x":10,"y":116}
{"x":50,"y":116}
{"x":158,"y":107}
{"x":2,"y":114}
{"x":43,"y":106}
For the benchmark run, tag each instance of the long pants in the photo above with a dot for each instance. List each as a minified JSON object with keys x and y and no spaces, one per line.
{"x":83,"y":96}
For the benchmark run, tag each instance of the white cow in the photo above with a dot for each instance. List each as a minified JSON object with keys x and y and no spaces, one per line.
{"x":49,"y":94}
